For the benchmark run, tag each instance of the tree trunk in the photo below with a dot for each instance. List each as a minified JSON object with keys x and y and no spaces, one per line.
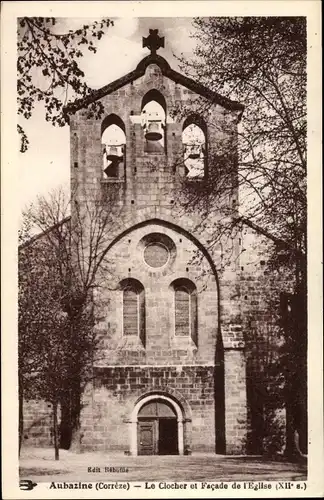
{"x":55,"y":431}
{"x":296,"y":377}
{"x":21,"y":414}
{"x":290,"y":426}
{"x":66,"y":419}
{"x":76,"y":382}
{"x":75,"y":416}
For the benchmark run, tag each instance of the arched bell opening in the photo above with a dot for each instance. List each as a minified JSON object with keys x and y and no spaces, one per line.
{"x":157,"y":426}
{"x":153,"y":114}
{"x":113,"y":140}
{"x":194,"y":140}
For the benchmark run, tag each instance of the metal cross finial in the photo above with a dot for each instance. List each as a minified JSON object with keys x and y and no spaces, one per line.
{"x":153,"y":41}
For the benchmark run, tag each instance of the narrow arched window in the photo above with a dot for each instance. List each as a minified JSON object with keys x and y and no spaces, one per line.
{"x":153,"y":116}
{"x":185,"y":309}
{"x":182,"y":311}
{"x":113,"y":140}
{"x":194,"y":148}
{"x":133,"y":316}
{"x":130,"y":311}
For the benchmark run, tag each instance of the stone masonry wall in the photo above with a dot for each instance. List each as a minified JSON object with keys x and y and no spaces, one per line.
{"x":38,"y":423}
{"x":106,"y":416}
{"x":260,"y":288}
{"x":162,"y":345}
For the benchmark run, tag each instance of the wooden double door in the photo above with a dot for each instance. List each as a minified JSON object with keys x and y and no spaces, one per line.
{"x":157,"y":430}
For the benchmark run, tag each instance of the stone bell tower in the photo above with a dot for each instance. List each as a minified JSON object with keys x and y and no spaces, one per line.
{"x":170,"y":378}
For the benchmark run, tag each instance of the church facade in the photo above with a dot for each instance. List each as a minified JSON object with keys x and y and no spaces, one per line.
{"x":173,"y":310}
{"x":169,"y":378}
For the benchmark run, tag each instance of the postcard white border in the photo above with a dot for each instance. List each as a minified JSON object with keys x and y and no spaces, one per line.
{"x":10,"y":213}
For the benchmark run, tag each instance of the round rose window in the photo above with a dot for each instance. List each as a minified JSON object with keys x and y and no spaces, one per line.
{"x":156,"y":254}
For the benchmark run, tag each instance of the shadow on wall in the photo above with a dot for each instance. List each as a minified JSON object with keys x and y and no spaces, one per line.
{"x":37,"y":429}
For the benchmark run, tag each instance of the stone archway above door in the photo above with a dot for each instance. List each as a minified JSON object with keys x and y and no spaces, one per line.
{"x":155,"y":420}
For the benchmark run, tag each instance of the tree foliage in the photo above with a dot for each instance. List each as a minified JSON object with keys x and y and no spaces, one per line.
{"x":58,"y":272}
{"x":261,"y":62}
{"x":48,"y":69}
{"x":43,"y":329}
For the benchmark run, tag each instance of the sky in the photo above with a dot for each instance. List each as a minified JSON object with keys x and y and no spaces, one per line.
{"x":46,"y":164}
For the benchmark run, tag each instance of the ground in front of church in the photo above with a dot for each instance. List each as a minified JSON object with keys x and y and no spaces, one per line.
{"x":38,"y":464}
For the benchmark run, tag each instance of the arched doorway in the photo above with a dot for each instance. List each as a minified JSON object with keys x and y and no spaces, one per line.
{"x":157,"y":430}
{"x":157,"y":427}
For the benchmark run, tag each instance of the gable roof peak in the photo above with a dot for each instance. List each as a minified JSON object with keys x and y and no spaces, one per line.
{"x":153,"y":44}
